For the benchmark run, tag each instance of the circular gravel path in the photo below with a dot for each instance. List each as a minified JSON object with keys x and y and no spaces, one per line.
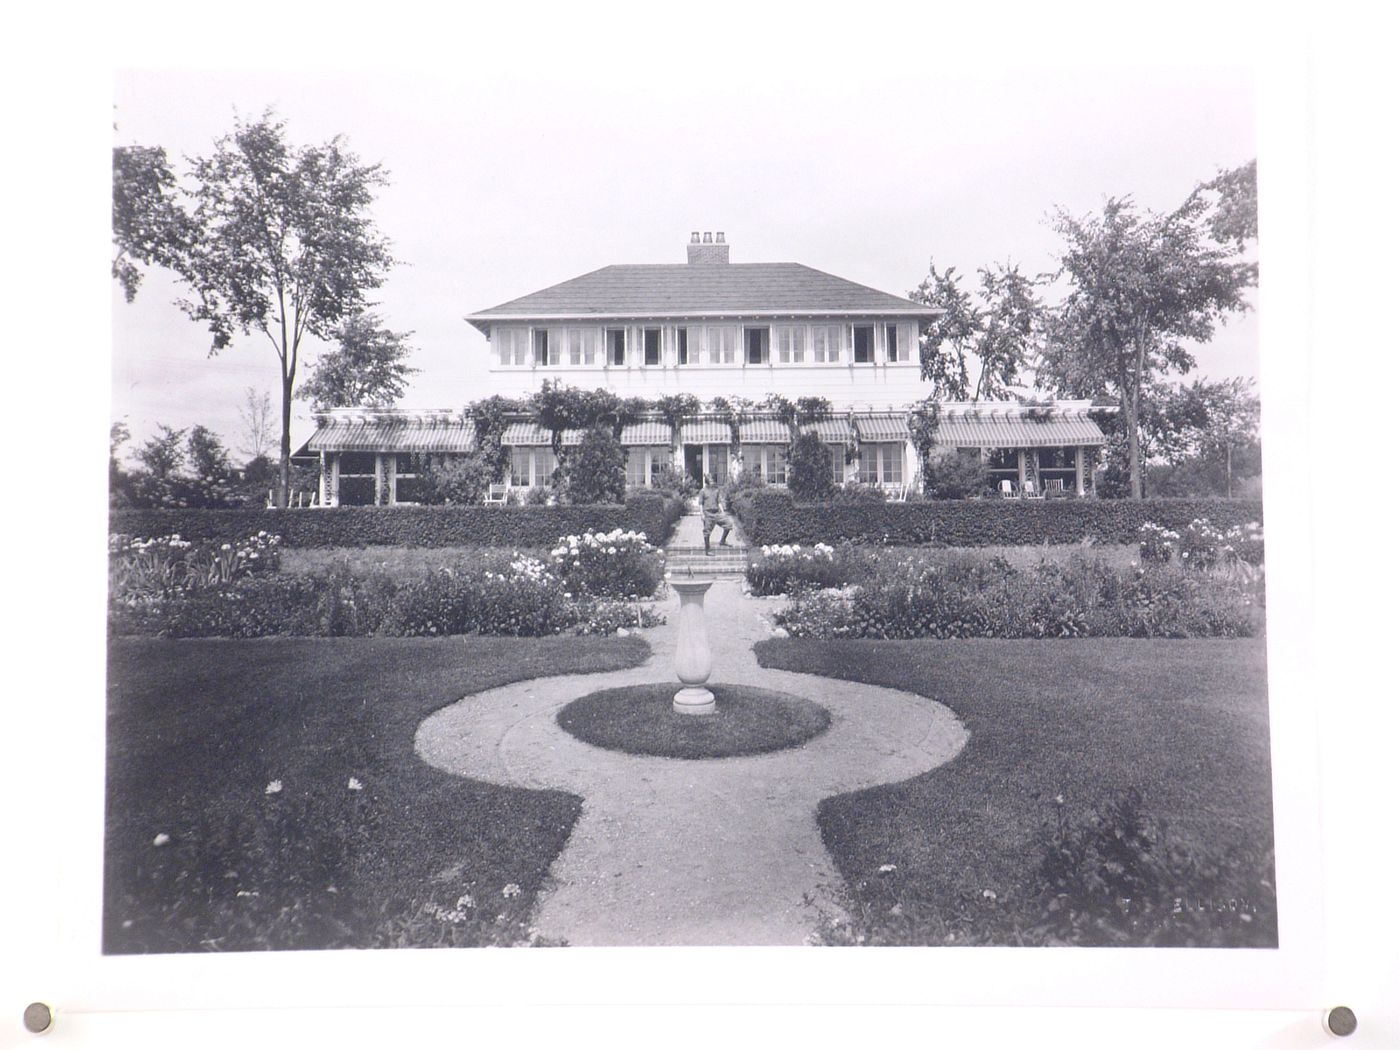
{"x":702,"y":851}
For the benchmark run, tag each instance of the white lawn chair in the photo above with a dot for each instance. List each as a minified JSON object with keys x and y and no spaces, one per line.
{"x":1054,"y":486}
{"x":1029,"y":491}
{"x":496,"y":495}
{"x":1007,"y":490}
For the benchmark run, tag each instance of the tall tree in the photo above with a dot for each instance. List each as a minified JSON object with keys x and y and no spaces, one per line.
{"x":1233,"y":199}
{"x":206,"y":455}
{"x":267,"y":237}
{"x":996,"y":327}
{"x":163,"y":455}
{"x":255,"y":416}
{"x":1210,"y":422}
{"x":367,"y":367}
{"x":147,"y":222}
{"x":1141,"y":286}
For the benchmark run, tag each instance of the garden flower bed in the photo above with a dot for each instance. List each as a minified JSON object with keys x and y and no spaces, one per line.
{"x":1204,"y":582}
{"x":784,"y":568}
{"x":991,"y":599}
{"x":163,"y":588}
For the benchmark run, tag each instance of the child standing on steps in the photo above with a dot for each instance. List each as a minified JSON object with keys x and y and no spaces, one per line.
{"x":713,"y":513}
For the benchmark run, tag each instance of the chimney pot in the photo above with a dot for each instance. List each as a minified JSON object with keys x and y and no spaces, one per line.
{"x":710,"y":251}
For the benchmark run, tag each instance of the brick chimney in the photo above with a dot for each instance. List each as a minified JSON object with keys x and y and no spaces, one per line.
{"x":706,"y":252}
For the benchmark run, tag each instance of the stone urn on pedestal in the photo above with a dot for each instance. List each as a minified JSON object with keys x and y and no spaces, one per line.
{"x":693,"y":663}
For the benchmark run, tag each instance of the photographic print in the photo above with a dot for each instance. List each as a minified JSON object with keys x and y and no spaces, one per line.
{"x":689,"y":516}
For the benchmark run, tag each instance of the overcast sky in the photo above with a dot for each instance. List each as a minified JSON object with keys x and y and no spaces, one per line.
{"x":502,"y":184}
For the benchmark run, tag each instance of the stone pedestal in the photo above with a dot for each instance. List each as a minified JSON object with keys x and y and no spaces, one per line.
{"x":693,"y":662}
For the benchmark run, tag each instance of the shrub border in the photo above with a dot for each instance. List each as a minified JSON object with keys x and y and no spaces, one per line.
{"x":775,"y":518}
{"x":523,"y":526}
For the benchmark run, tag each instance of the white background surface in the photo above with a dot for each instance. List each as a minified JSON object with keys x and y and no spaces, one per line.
{"x":1327,"y":186}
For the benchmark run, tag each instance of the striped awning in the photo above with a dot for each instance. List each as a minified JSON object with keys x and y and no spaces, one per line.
{"x":763,"y":432}
{"x":393,"y":436}
{"x":705,"y":432}
{"x":521,"y":435}
{"x":882,"y":426}
{"x":651,"y":432}
{"x":832,"y":431}
{"x":1001,"y":431}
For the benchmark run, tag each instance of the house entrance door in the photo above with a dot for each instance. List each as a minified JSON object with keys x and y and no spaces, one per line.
{"x":695,"y":463}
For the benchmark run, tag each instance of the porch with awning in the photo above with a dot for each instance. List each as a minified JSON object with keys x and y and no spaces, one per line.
{"x":995,"y":430}
{"x":364,"y":456}
{"x":1025,"y":446}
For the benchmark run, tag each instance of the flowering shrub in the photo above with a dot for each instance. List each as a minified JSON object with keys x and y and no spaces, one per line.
{"x":784,"y":568}
{"x":614,"y":564}
{"x":519,"y":597}
{"x":603,"y":616}
{"x":141,"y":570}
{"x":1156,"y":544}
{"x":912,"y":598}
{"x":1201,"y":544}
{"x":1246,"y":543}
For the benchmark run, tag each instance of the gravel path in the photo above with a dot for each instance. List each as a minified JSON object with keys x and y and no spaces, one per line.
{"x":692,"y":852}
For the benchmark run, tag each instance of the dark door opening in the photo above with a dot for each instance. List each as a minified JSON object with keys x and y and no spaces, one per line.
{"x":695,"y":463}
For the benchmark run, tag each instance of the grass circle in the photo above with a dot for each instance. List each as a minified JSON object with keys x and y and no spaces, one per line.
{"x":638,"y":719}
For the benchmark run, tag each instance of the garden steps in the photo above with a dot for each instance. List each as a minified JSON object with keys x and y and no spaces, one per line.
{"x":725,"y":561}
{"x":685,"y":553}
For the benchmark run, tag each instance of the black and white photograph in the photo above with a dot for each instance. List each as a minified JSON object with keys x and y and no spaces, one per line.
{"x":504,"y":573}
{"x":663,"y":504}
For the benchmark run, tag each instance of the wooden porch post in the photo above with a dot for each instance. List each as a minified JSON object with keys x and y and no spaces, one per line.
{"x":378,"y":478}
{"x":1020,"y":469}
{"x":322,"y":482}
{"x":393,"y":473}
{"x":1079,"y":470}
{"x":335,"y":479}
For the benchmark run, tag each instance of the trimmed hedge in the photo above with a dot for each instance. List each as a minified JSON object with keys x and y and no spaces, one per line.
{"x":529,"y":526}
{"x":773,"y":517}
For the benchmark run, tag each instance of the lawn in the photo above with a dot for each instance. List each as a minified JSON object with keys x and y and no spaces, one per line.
{"x":640,"y":720}
{"x":265,"y":794}
{"x":1058,"y":730}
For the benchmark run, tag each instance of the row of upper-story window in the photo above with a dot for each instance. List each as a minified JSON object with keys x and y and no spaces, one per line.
{"x":665,"y":346}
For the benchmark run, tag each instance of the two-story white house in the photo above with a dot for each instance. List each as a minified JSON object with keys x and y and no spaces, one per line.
{"x":717,"y":329}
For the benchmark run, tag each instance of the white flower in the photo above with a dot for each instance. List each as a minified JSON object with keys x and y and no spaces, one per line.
{"x":510,"y":890}
{"x":885,"y":869}
{"x":273,"y":788}
{"x":466,"y":901}
{"x":160,"y":840}
{"x":355,"y":785}
{"x":989,"y":895}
